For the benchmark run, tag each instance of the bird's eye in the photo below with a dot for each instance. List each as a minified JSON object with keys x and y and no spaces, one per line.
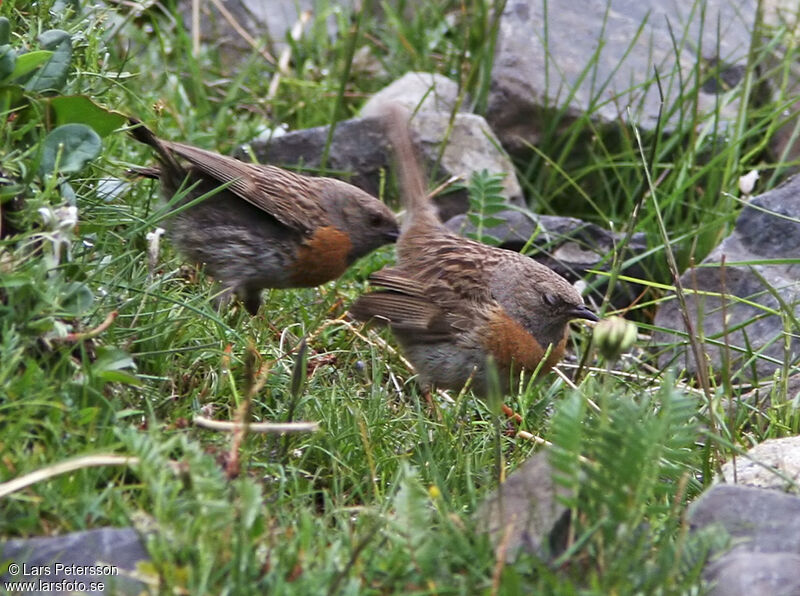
{"x":375,"y":219}
{"x":550,"y":299}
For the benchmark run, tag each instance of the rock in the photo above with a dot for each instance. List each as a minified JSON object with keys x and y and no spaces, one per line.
{"x":755,"y":574}
{"x":767,"y":228}
{"x":775,"y":463}
{"x":260,"y":20}
{"x":358,"y":152}
{"x":782,"y":14}
{"x":764,"y":530}
{"x":360,"y":149}
{"x":762,"y":397}
{"x":592,"y":57}
{"x":416,"y":91}
{"x":524,"y":512}
{"x":116,"y":550}
{"x":567,"y":245}
{"x":471,"y":147}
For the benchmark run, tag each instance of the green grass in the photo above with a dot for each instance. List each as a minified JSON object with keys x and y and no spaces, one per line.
{"x":380,"y":500}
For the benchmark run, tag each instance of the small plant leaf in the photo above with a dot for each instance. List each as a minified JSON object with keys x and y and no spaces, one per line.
{"x":110,"y":358}
{"x":27,"y":63}
{"x":78,"y":298}
{"x":79,"y":109}
{"x":10,"y":97}
{"x":59,"y":6}
{"x":53,"y":74}
{"x":8,"y":61}
{"x":111,"y":364}
{"x":70,"y":147}
{"x":300,"y":373}
{"x":5,"y":31}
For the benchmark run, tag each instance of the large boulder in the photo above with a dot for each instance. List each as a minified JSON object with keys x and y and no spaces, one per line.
{"x":599,"y":57}
{"x":743,"y":312}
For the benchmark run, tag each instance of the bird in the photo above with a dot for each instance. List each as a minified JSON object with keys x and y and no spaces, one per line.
{"x":261,"y":226}
{"x":456,"y":306}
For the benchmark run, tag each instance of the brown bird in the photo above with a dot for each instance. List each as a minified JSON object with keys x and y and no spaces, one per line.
{"x":453,"y":303}
{"x":266,"y":227}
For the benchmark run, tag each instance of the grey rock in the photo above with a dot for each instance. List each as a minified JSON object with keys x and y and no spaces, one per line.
{"x":360,"y":149}
{"x":763,"y":555}
{"x":756,"y":401}
{"x":416,"y":91}
{"x":596,"y":49}
{"x":775,"y":463}
{"x":767,"y":228}
{"x":568,"y":245}
{"x":119,"y":550}
{"x":755,"y":574}
{"x":470,"y":147}
{"x":523,"y":514}
{"x":756,"y":519}
{"x":780,"y":14}
{"x":268,"y":22}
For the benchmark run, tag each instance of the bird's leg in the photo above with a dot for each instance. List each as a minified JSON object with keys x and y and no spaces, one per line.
{"x":511,"y":414}
{"x":432,"y":408}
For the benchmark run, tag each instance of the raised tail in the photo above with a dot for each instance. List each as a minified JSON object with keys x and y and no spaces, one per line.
{"x":420,"y":210}
{"x":141,"y":133}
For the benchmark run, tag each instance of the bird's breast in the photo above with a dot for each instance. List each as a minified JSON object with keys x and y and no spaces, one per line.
{"x":511,"y":344}
{"x":321,"y":257}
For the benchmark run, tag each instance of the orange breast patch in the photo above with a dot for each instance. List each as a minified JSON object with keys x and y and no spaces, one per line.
{"x":510,"y":343}
{"x":321,"y":258}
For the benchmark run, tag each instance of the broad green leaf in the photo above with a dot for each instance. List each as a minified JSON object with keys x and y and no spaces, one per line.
{"x":53,"y":74}
{"x":79,"y":109}
{"x":27,"y":63}
{"x":72,"y":145}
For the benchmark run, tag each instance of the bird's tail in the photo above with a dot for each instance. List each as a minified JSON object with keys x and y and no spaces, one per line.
{"x":420,"y":210}
{"x":141,"y":133}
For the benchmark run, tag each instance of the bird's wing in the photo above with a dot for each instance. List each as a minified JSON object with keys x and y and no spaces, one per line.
{"x":290,"y":198}
{"x":401,"y":303}
{"x":424,"y":302}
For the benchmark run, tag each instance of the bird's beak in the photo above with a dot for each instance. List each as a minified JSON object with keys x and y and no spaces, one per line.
{"x":392,"y":235}
{"x":583,"y":312}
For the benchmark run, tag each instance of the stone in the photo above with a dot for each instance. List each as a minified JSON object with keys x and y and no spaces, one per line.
{"x":569,"y":246}
{"x":471,"y":146}
{"x":416,"y":91}
{"x":756,"y":401}
{"x":767,"y":228}
{"x":524,"y":514}
{"x":268,"y":23}
{"x":599,"y":57}
{"x":762,"y":557}
{"x":755,"y":574}
{"x":775,"y":463}
{"x":783,"y":14}
{"x":120,"y":549}
{"x":360,"y":149}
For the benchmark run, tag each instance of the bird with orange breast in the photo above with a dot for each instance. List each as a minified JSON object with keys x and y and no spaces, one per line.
{"x":261,"y":226}
{"x":455,"y":305}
